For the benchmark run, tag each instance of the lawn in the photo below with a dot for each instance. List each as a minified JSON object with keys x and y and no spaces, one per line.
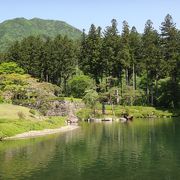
{"x":11,"y":123}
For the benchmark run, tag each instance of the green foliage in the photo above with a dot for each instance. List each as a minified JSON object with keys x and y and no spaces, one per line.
{"x":166,"y":96}
{"x":90,"y":60}
{"x":90,"y":99}
{"x":10,"y":68}
{"x":84,"y":114}
{"x":32,"y":111}
{"x":19,"y":28}
{"x":132,"y":97}
{"x":131,"y":56}
{"x":27,"y":91}
{"x":132,"y":62}
{"x":79,"y":84}
{"x":51,"y":60}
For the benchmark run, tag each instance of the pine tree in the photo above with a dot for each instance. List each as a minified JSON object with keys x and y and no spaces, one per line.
{"x":110,"y":50}
{"x":90,"y":59}
{"x":125,"y":51}
{"x":151,"y":59}
{"x":135,"y":51}
{"x":170,"y":50}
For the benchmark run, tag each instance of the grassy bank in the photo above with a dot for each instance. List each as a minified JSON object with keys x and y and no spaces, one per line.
{"x":136,"y":111}
{"x":17,"y":119}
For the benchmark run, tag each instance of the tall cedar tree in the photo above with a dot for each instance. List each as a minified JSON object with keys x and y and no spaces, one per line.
{"x":112,"y":64}
{"x":171,"y":53}
{"x":151,"y":59}
{"x":125,"y":55}
{"x":90,"y":57}
{"x":135,"y":51}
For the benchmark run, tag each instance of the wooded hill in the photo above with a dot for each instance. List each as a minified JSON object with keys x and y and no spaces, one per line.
{"x":19,"y":28}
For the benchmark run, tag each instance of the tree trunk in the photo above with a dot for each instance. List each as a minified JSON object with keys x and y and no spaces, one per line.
{"x":103,"y":108}
{"x":47,"y":78}
{"x":152,"y":95}
{"x":133,"y":78}
{"x":156,"y":91}
{"x":135,"y":83}
{"x":127,"y":77}
{"x":147,"y":92}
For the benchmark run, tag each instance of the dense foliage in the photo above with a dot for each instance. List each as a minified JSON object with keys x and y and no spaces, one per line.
{"x":79,"y":84}
{"x":143,"y":69}
{"x":53,"y":60}
{"x":132,"y":57}
{"x":22,"y":89}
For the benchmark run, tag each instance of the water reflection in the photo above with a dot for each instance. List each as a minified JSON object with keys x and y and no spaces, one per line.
{"x":144,"y":149}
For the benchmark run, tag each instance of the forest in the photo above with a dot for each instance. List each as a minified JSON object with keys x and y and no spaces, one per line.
{"x":140,"y":68}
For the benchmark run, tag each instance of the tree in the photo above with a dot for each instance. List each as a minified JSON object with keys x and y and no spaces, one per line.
{"x":170,"y":50}
{"x":90,"y":57}
{"x":125,"y":55}
{"x":79,"y":84}
{"x":151,"y":59}
{"x":51,"y":60}
{"x":135,"y":51}
{"x":27,"y":54}
{"x":91,"y":98}
{"x":110,"y":50}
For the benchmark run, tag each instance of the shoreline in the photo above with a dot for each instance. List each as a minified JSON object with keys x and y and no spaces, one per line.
{"x":33,"y":134}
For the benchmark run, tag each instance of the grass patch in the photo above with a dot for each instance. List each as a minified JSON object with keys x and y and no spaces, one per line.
{"x":11,"y":112}
{"x":65,"y":99}
{"x":136,"y":111}
{"x":73,"y":99}
{"x":11,"y":128}
{"x":17,"y":119}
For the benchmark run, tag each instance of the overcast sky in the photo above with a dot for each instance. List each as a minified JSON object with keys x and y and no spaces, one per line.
{"x":82,"y":13}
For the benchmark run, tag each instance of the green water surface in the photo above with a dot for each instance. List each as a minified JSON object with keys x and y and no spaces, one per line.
{"x":140,"y":150}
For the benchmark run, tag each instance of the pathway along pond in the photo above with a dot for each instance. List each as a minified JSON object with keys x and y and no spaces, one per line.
{"x":141,"y":150}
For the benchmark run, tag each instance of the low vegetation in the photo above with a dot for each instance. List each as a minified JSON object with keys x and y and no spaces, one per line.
{"x":17,"y":119}
{"x":117,"y":111}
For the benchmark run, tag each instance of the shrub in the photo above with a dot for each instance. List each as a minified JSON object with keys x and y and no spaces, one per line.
{"x":32,"y":111}
{"x":21,"y":115}
{"x":83,"y":114}
{"x":10,"y":68}
{"x":90,"y":99}
{"x":79,"y":84}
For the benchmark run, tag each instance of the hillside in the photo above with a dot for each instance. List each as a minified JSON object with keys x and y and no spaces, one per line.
{"x":17,"y":29}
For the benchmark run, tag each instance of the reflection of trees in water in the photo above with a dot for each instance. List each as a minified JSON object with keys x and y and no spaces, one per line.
{"x":31,"y":155}
{"x":129,"y":150}
{"x":126,"y":149}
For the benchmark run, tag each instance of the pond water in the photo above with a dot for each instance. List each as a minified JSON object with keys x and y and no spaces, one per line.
{"x":142,"y":150}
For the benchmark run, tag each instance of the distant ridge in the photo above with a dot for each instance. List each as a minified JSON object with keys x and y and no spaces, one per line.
{"x":19,"y":28}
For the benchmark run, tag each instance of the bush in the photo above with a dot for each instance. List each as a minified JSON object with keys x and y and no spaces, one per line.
{"x":90,"y":99}
{"x":84,"y":114}
{"x":168,"y":93}
{"x":1,"y":97}
{"x":32,"y":111}
{"x":21,"y":115}
{"x":79,"y":84}
{"x":10,"y":68}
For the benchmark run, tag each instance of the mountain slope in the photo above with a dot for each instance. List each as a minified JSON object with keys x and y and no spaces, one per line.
{"x":17,"y":29}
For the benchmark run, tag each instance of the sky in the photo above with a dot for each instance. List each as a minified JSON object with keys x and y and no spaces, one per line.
{"x":82,"y":13}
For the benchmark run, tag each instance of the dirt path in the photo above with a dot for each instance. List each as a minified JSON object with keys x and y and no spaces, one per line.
{"x":44,"y":132}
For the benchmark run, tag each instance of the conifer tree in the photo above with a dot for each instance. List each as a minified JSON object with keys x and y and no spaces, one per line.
{"x":170,"y":50}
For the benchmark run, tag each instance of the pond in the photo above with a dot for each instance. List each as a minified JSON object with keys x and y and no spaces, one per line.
{"x":142,"y":149}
